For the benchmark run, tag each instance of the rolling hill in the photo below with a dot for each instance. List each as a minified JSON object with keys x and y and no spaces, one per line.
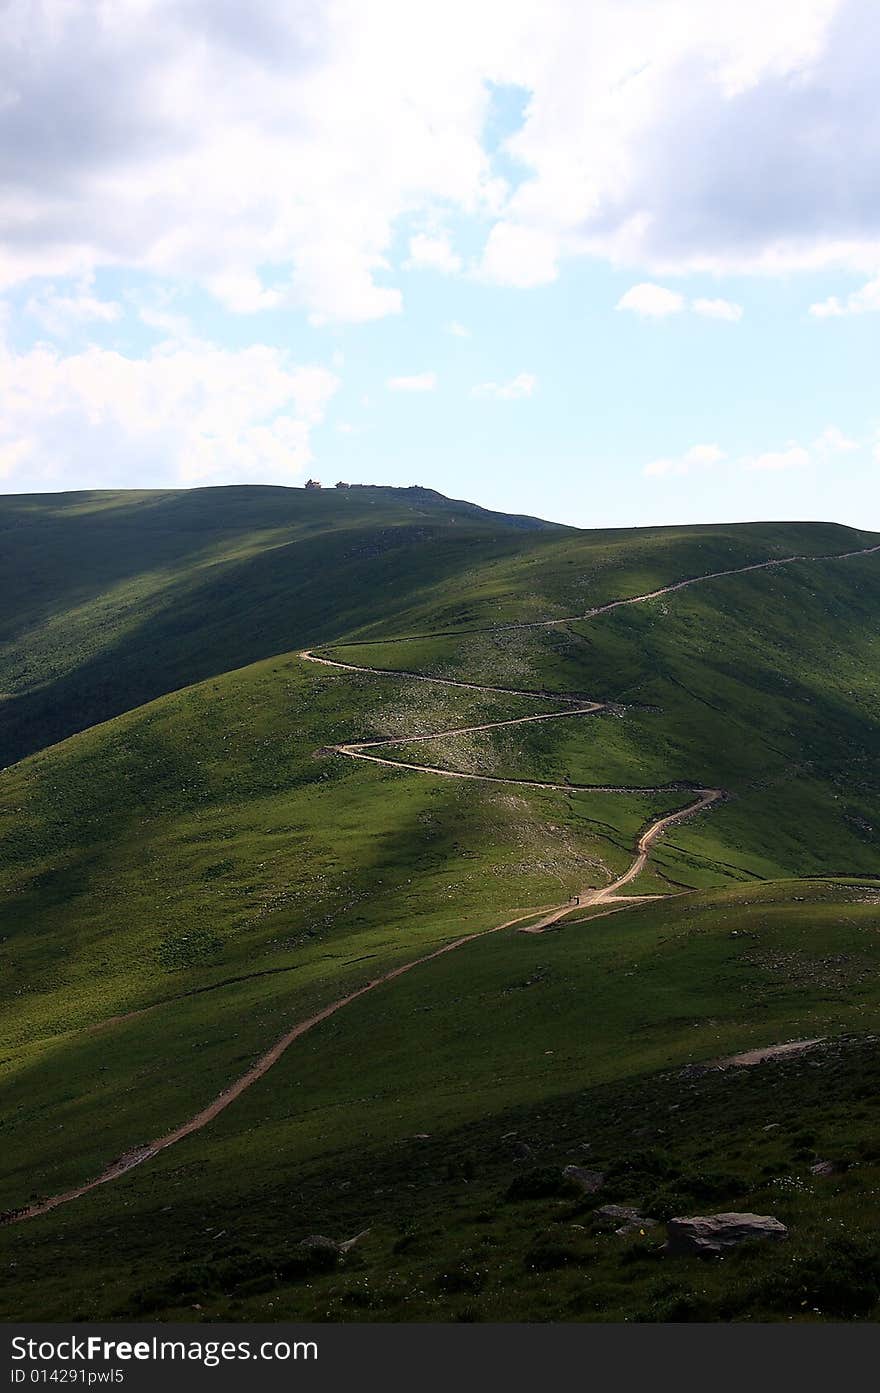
{"x":236,"y":723}
{"x":111,"y":599}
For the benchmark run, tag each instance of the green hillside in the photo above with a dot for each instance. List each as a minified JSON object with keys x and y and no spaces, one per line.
{"x":111,"y":599}
{"x":108,"y":600}
{"x":185,"y":882}
{"x":764,"y":684}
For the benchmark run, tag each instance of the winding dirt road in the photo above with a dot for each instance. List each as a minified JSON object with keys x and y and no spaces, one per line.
{"x":704,"y":798}
{"x":575,"y":706}
{"x":606,"y":608}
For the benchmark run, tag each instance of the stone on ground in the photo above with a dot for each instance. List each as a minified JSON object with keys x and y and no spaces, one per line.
{"x":709,"y":1235}
{"x":586,"y":1180}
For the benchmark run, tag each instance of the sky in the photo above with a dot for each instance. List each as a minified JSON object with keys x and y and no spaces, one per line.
{"x":611,"y":262}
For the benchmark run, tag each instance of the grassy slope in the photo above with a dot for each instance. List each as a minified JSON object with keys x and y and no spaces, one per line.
{"x":761,"y":684}
{"x":240,"y":862}
{"x":574,"y":1042}
{"x":111,"y":599}
{"x":199,"y":843}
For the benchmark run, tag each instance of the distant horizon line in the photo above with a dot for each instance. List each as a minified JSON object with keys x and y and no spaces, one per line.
{"x":344,"y":486}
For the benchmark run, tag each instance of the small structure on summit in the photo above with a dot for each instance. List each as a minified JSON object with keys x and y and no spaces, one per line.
{"x":313,"y":483}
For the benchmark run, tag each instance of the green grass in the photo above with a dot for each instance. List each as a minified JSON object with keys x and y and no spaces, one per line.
{"x":112,"y":599}
{"x":761,"y":684}
{"x":240,"y":858}
{"x":202,"y":860}
{"x":459,"y":1050}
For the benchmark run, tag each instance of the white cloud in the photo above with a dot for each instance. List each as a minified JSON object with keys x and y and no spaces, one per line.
{"x":832,"y":441}
{"x":657,"y":302}
{"x":158,"y":313}
{"x":266,"y":153}
{"x":432,"y":254}
{"x":183,"y":415}
{"x":692,"y":137}
{"x":13,"y":453}
{"x":61,"y":315}
{"x":827,"y":309}
{"x":651,"y":301}
{"x":520,"y":256}
{"x":175,"y":326}
{"x":458,"y":331}
{"x":695,"y":457}
{"x":242,"y":292}
{"x":270,"y":152}
{"x":659,"y":468}
{"x":335,"y":283}
{"x":718,"y":309}
{"x":418,"y":382}
{"x":523,"y":385}
{"x":793,"y":456}
{"x":863,"y":301}
{"x":704,"y":454}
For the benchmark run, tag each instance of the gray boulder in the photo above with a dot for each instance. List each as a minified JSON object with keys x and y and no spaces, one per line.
{"x":586,"y":1180}
{"x":622,"y":1218}
{"x":635,"y":1226}
{"x":322,"y":1254}
{"x":709,"y":1235}
{"x":349,"y":1243}
{"x":621,"y":1213}
{"x":824,"y":1168}
{"x":318,"y":1245}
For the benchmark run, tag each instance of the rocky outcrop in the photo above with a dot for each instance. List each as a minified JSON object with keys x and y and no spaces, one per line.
{"x":821,"y":1168}
{"x":319,"y":1245}
{"x":586,"y":1180}
{"x":710,"y":1235}
{"x":322,"y":1253}
{"x":622,"y":1218}
{"x":349,"y":1243}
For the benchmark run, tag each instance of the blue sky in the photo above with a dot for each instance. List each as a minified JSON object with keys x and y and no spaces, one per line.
{"x":611,"y":263}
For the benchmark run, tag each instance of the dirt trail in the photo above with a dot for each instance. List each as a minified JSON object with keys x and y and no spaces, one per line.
{"x":705,"y":798}
{"x":438,"y":681}
{"x":760,"y":1056}
{"x":591,"y":613}
{"x":139,"y":1154}
{"x":586,"y":710}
